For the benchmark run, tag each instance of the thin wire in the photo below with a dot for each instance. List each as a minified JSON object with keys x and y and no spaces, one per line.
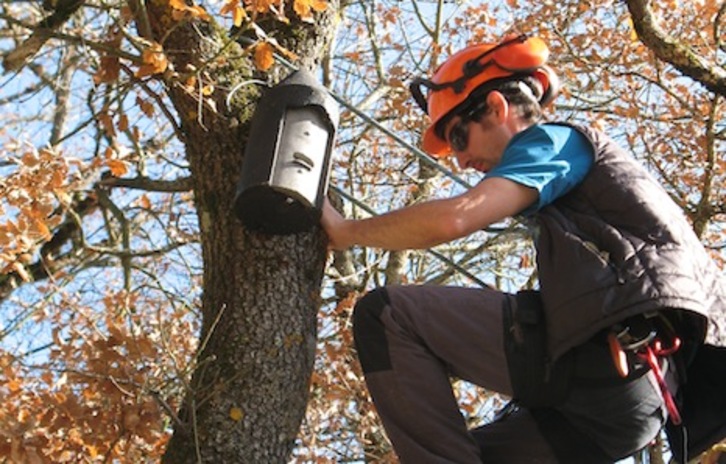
{"x":416,"y":151}
{"x":234,"y":90}
{"x":435,"y":253}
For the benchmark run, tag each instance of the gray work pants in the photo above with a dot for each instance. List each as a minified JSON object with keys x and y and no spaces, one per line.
{"x":412,"y":339}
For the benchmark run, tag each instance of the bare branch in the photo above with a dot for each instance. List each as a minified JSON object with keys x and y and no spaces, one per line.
{"x":148,"y":184}
{"x":64,"y":9}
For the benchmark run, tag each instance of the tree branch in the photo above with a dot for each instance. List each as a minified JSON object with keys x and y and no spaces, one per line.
{"x":64,"y":9}
{"x":145,"y":183}
{"x":51,"y":256}
{"x":668,"y":49}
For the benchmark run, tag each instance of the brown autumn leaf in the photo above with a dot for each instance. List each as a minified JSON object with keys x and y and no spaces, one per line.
{"x":118,"y":167}
{"x":153,"y":60}
{"x":123,"y":123}
{"x":182,"y":10}
{"x":41,"y":228}
{"x":264,"y":56}
{"x":239,"y":15}
{"x":305,"y":8}
{"x":21,"y":271}
{"x":30,"y":159}
{"x":57,"y":179}
{"x":144,"y":201}
{"x":238,"y":12}
{"x":236,"y":414}
{"x":108,"y":70}
{"x":229,"y":6}
{"x":262,"y":6}
{"x":107,"y":124}
{"x":146,"y":106}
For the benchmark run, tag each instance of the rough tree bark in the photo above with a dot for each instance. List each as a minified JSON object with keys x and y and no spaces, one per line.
{"x":249,"y":390}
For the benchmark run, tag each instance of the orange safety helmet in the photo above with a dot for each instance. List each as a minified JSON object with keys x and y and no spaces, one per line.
{"x":469,"y":70}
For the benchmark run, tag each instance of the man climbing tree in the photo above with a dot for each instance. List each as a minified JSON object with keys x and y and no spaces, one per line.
{"x":627,"y":293}
{"x":135,"y":306}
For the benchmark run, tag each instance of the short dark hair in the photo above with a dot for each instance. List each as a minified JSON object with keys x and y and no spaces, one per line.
{"x":524,"y":93}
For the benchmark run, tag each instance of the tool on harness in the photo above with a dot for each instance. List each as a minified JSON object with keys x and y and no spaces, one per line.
{"x":651,"y":355}
{"x":621,"y":340}
{"x":698,"y":411}
{"x":640,"y":338}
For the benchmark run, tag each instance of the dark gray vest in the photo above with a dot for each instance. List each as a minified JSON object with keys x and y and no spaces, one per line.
{"x":616,"y":246}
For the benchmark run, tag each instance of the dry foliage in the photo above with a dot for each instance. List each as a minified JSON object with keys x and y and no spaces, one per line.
{"x":100,"y":272}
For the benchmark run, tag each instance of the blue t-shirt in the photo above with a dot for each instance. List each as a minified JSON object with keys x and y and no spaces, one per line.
{"x":549,"y":158}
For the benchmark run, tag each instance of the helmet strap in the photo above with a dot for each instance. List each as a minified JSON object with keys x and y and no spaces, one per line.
{"x":415,"y":88}
{"x":475,"y":67}
{"x":469,"y":70}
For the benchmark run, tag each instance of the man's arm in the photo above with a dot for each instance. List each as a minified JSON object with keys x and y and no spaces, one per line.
{"x":430,"y":223}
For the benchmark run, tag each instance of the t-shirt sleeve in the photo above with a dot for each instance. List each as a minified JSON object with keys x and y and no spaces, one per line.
{"x":550,"y":159}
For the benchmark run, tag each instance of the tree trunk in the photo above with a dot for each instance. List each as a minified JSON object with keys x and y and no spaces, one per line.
{"x":248,"y":393}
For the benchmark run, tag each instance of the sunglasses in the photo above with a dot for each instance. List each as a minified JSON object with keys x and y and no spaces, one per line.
{"x":458,"y":136}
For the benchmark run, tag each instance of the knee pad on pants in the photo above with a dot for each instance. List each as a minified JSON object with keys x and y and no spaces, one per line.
{"x":370,"y":333}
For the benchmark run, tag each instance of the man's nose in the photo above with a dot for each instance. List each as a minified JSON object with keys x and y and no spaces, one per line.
{"x":461,"y":159}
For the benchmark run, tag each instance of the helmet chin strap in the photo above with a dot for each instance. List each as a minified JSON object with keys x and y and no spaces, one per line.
{"x":458,"y":85}
{"x":415,"y":88}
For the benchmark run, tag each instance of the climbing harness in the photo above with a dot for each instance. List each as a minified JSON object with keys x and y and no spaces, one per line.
{"x":640,"y":338}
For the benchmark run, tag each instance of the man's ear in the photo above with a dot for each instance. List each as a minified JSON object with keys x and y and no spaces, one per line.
{"x":499,"y":106}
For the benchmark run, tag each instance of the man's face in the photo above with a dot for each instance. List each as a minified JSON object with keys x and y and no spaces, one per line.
{"x":478,"y":144}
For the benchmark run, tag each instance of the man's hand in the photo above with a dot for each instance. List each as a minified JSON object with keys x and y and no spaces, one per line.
{"x":334,"y":225}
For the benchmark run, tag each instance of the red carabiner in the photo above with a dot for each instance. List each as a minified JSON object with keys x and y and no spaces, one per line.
{"x":660,"y":351}
{"x":651,"y":357}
